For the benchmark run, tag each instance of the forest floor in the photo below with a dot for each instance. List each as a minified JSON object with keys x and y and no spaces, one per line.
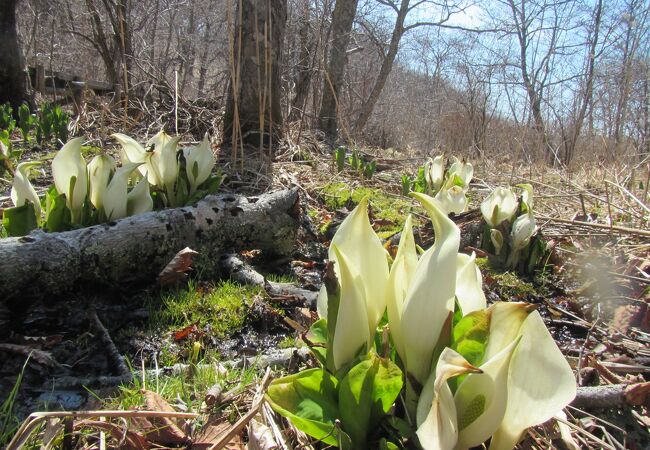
{"x":199,"y":353}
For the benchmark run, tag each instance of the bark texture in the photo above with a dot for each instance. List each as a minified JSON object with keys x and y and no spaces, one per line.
{"x":342,"y":19}
{"x":13,"y":82}
{"x":254,"y":107}
{"x":136,"y":249}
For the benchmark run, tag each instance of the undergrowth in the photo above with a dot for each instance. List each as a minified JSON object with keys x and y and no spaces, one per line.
{"x":389,"y":211}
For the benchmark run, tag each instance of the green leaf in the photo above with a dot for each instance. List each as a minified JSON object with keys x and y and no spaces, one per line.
{"x":182,"y":191}
{"x":457,"y":181}
{"x":470,"y":335}
{"x":333,"y":301}
{"x":57,"y":214}
{"x":317,"y":334}
{"x":366,"y":394}
{"x":339,"y":158}
{"x":420,"y":184}
{"x":309,"y":400}
{"x":19,"y":220}
{"x":401,"y":426}
{"x":387,"y":445}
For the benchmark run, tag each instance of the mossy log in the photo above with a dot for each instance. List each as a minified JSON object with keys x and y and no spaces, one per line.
{"x":135,"y":249}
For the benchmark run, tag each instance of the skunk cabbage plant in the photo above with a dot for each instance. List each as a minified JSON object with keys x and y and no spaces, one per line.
{"x":84,"y":195}
{"x":22,"y":190}
{"x":361,"y":266}
{"x":434,"y":172}
{"x":71,"y":176}
{"x":509,"y":236}
{"x":199,"y":163}
{"x":452,"y":194}
{"x":158,"y":159}
{"x":115,"y":196}
{"x":466,"y":368}
{"x":499,"y":206}
{"x":449,"y":187}
{"x":100,"y":170}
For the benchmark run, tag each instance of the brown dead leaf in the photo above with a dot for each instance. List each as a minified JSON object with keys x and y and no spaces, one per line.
{"x":209,"y":434}
{"x":305,"y":264}
{"x":160,"y":430}
{"x":260,"y":437}
{"x":251,"y":254}
{"x":176,"y":271}
{"x":40,"y":356}
{"x":628,"y":316}
{"x":638,"y":394}
{"x":127,"y":439}
{"x":186,"y":332}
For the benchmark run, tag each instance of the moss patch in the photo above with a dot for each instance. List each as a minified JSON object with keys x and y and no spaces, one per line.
{"x":507,"y":285}
{"x":389,"y":211}
{"x":223,"y":307}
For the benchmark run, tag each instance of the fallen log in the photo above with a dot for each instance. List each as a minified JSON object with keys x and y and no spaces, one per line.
{"x":135,"y":249}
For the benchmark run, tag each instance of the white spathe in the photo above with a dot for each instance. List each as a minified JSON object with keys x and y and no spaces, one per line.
{"x":500,"y":205}
{"x":540,"y":383}
{"x":523,"y":229}
{"x":71,"y":176}
{"x":199,"y":162}
{"x":22,"y":189}
{"x":469,"y":284}
{"x":356,"y":239}
{"x":100,"y":169}
{"x":481,"y":399}
{"x":351,"y":335}
{"x":434,"y":172}
{"x":115,"y":198}
{"x":452,"y":199}
{"x":139,"y":200}
{"x":436,"y":410}
{"x":399,"y":280}
{"x":425,"y":311}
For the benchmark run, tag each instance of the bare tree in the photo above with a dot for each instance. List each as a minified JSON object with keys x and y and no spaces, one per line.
{"x":584,"y":98}
{"x":399,"y":30}
{"x":634,"y":20}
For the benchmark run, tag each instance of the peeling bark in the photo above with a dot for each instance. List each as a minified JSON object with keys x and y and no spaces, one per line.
{"x":135,"y":249}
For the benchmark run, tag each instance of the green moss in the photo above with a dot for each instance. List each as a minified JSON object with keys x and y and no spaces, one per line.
{"x":389,"y":210}
{"x":508,"y":285}
{"x":325,"y":227}
{"x":222,"y":306}
{"x":287,"y":342}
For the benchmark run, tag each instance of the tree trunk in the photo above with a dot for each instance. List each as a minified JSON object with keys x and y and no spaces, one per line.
{"x":253,"y":107}
{"x":342,"y":19}
{"x":135,"y":249}
{"x":13,"y":83}
{"x":386,"y":67}
{"x":304,"y":69}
